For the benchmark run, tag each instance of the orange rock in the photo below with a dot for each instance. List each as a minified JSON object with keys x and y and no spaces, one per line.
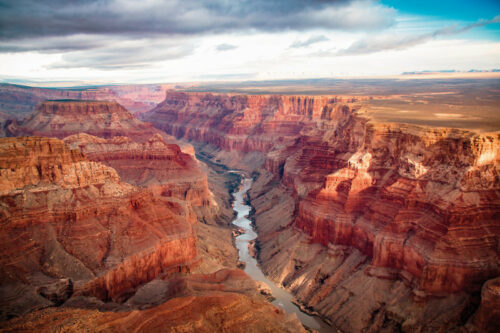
{"x":61,"y":118}
{"x":419,"y":205}
{"x":215,"y":312}
{"x":66,"y":217}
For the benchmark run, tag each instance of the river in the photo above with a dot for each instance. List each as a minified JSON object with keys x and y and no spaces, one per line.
{"x":283,"y":298}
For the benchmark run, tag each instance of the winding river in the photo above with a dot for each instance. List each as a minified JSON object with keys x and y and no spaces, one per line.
{"x":283,"y":298}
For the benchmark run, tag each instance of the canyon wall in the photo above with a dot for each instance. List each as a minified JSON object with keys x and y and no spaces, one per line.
{"x":90,"y":249}
{"x":105,"y":222}
{"x":17,"y":101}
{"x":141,"y":154}
{"x":61,"y":118}
{"x":65,"y":217}
{"x":373,"y":225}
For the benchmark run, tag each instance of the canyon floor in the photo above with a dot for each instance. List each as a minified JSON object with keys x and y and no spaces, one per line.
{"x":378,"y":211}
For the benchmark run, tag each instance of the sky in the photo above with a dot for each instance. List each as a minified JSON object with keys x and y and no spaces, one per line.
{"x":154,"y":41}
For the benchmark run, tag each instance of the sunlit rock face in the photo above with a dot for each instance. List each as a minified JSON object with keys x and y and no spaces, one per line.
{"x":66,"y":217}
{"x":141,"y":154}
{"x":407,"y":209}
{"x":242,"y":123}
{"x":160,"y":166}
{"x":62,"y":118}
{"x":419,"y":200}
{"x":103,"y":225}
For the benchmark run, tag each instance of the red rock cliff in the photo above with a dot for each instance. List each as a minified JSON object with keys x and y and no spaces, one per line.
{"x":160,"y":166}
{"x":62,"y":118}
{"x":63,"y":216}
{"x":420,"y":203}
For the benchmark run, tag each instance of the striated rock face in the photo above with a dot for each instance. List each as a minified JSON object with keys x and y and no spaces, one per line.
{"x":64,"y":217}
{"x":418,"y":200}
{"x":18,"y":101}
{"x":411,"y":213}
{"x":62,"y":118}
{"x":241,"y":123}
{"x":160,"y":166}
{"x":142,"y":155}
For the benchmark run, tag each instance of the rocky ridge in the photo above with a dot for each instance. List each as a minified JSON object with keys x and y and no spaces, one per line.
{"x":17,"y":101}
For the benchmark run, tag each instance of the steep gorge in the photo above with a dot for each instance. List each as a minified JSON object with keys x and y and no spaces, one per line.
{"x":375,"y":226}
{"x":104,"y":226}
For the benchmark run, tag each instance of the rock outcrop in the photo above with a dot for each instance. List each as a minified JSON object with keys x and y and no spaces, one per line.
{"x":61,"y":118}
{"x":375,"y":226}
{"x":17,"y":101}
{"x":160,"y":166}
{"x":64,"y":217}
{"x":204,"y":303}
{"x":81,"y":247}
{"x":141,"y":154}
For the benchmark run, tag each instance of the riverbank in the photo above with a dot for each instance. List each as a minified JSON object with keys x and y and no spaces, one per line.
{"x":283,"y":299}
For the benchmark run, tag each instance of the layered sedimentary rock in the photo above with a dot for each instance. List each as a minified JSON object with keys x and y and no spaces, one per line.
{"x":373,"y":225}
{"x":141,"y":154}
{"x":160,"y":166}
{"x":64,"y":217}
{"x":241,"y":123}
{"x":17,"y":101}
{"x":93,"y":249}
{"x":61,"y":118}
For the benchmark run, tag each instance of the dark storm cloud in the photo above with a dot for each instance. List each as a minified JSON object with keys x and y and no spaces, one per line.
{"x":37,"y":18}
{"x":54,"y":44}
{"x":123,"y":56}
{"x":310,"y":41}
{"x":373,"y":44}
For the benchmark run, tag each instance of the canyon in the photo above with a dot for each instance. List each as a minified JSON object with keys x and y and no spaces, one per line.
{"x":376,"y":226}
{"x":112,"y":223}
{"x":106,"y":218}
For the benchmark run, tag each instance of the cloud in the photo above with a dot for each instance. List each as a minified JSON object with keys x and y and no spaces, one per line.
{"x":311,"y":40}
{"x":41,"y":19}
{"x":225,"y":47}
{"x":126,"y":55}
{"x":373,"y":44}
{"x":55,"y":44}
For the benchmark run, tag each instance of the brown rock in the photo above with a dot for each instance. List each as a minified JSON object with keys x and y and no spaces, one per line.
{"x":216,"y":312}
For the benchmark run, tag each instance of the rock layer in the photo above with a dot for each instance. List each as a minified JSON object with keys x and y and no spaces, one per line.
{"x":142,"y":155}
{"x":160,"y":166}
{"x":413,"y":206}
{"x":66,"y":217}
{"x":61,"y":118}
{"x":18,"y":101}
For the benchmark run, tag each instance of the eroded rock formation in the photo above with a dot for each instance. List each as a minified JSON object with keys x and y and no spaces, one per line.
{"x":76,"y":237}
{"x":205,"y":303}
{"x":66,"y":217}
{"x":141,"y":154}
{"x":376,"y":226}
{"x":18,"y":101}
{"x":160,"y":166}
{"x":61,"y":118}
